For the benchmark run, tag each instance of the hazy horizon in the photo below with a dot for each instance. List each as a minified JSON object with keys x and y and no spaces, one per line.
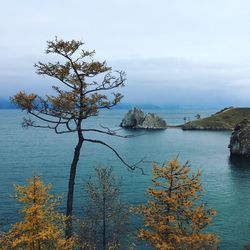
{"x":188,"y":53}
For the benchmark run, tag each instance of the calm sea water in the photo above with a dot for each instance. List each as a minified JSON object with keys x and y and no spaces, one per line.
{"x":24,"y":152}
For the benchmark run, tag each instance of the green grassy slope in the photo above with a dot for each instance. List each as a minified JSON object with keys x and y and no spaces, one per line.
{"x":226,"y":119}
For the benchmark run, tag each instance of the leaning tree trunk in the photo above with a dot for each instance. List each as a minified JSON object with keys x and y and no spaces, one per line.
{"x":71,"y":185}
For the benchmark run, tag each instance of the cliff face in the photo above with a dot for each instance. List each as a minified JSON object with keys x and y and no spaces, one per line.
{"x":136,"y":119}
{"x":240,"y":139}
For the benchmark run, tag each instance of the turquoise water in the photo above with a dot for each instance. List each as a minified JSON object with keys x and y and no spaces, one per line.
{"x":24,"y":152}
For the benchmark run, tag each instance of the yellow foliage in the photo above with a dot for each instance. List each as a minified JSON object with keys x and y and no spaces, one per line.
{"x":173,"y":219}
{"x":24,"y":101}
{"x":42,"y":227}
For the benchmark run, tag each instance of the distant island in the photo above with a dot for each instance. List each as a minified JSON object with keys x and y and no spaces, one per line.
{"x":226,"y":119}
{"x":137,"y":119}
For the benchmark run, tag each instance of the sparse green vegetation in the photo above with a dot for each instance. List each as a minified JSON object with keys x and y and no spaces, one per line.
{"x":105,"y":218}
{"x":225,"y":119}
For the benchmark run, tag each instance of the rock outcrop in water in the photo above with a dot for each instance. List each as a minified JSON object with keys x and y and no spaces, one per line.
{"x":136,"y":119}
{"x":240,"y":139}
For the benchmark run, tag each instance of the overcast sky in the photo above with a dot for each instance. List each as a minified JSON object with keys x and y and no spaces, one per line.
{"x":186,"y":52}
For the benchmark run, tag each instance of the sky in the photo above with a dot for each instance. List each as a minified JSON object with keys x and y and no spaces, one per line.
{"x":175,"y":52}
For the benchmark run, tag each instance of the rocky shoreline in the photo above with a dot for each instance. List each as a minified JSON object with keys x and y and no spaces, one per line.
{"x":234,"y":119}
{"x":240,"y":140}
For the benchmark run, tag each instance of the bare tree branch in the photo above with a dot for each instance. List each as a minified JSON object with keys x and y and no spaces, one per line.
{"x":110,"y":86}
{"x":129,"y":166}
{"x":49,"y":69}
{"x":112,"y":133}
{"x":44,"y":119}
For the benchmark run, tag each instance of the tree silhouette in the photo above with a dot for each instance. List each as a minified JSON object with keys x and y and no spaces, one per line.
{"x":85,"y":82}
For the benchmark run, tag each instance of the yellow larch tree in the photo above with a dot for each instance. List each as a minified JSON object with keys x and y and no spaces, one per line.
{"x":174,"y":217}
{"x":42,"y":226}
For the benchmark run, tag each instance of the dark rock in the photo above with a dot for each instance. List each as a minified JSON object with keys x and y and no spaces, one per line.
{"x":240,"y":139}
{"x":136,"y":119}
{"x":133,"y":118}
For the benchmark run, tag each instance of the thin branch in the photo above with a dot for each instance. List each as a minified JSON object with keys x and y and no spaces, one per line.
{"x":106,"y":106}
{"x":109,"y":132}
{"x":46,"y":113}
{"x":64,"y":82}
{"x":53,"y":128}
{"x":69,"y":128}
{"x":57,"y":125}
{"x":73,"y":66}
{"x":46,"y":69}
{"x":107,"y":128}
{"x":130,"y":167}
{"x":43,"y":119}
{"x":113,"y":85}
{"x":41,"y":126}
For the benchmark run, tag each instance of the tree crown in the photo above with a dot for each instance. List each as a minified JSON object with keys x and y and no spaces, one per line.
{"x":42,"y":226}
{"x":84,"y":82}
{"x":174,"y":217}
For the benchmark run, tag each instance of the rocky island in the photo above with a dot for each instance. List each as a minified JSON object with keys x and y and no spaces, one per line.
{"x":137,"y":119}
{"x":240,"y":139}
{"x":225,"y":119}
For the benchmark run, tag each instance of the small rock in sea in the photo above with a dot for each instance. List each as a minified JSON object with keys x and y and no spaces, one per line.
{"x":240,"y":139}
{"x":136,"y":119}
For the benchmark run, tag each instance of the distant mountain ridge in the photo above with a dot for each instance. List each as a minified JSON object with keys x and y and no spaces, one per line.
{"x":6,"y":104}
{"x":138,"y":105}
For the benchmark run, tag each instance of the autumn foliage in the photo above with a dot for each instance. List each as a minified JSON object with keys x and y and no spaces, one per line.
{"x":174,"y":218}
{"x":42,"y":226}
{"x":84,"y":87}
